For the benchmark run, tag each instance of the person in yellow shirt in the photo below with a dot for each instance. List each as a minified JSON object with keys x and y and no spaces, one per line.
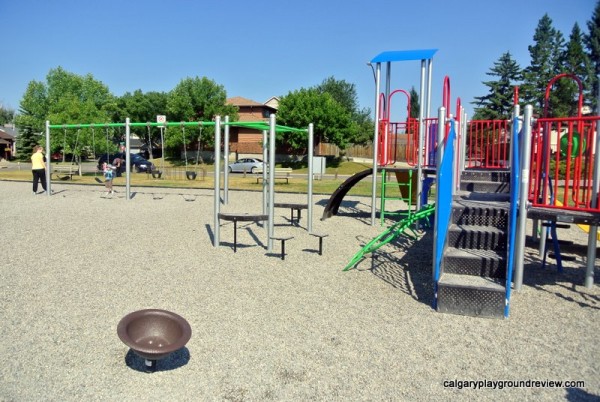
{"x":38,"y":168}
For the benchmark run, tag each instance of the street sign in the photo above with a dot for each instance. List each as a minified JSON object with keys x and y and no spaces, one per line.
{"x":161,"y":119}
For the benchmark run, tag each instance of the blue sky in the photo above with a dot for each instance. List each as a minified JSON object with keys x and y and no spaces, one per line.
{"x":258,"y":49}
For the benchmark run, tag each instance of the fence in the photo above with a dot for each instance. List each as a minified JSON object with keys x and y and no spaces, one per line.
{"x":563,"y":177}
{"x":488,"y":144}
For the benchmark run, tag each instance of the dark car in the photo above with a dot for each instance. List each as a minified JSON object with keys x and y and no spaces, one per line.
{"x":156,"y":151}
{"x":137,"y":162}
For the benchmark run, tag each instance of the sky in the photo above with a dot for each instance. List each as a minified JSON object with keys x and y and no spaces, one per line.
{"x":259,"y":49}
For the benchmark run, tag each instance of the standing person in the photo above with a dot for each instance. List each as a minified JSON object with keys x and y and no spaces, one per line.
{"x":38,"y":168}
{"x":108,"y":177}
{"x":117,"y":164}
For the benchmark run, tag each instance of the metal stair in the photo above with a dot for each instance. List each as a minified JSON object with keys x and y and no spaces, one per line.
{"x":474,"y":263}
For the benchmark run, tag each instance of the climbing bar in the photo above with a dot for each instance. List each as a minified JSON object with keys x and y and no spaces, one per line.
{"x":247,"y":124}
{"x":391,"y":233}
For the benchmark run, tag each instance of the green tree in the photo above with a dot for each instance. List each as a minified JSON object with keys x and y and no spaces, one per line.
{"x":414,"y":103}
{"x":498,"y":103}
{"x":342,"y":91}
{"x":7,"y":115}
{"x":346,"y":95}
{"x":65,"y":98}
{"x":332,"y":121}
{"x":592,"y":41}
{"x":545,"y":62}
{"x":573,"y":61}
{"x":196,"y":99}
{"x":31,"y":119}
{"x":142,"y":107}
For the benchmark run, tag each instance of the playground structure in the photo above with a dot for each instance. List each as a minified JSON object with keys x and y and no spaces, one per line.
{"x":268,"y":203}
{"x":515,"y":157}
{"x":491,"y":177}
{"x":268,"y":181}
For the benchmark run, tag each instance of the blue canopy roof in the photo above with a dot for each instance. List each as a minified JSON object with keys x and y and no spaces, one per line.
{"x":404,"y":55}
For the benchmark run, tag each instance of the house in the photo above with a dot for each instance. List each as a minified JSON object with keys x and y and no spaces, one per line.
{"x":7,"y":142}
{"x":246,"y":140}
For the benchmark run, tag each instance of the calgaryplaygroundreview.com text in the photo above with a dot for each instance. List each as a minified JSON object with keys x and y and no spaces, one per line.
{"x":501,"y":384}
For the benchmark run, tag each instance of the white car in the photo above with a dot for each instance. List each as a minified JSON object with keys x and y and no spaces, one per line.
{"x":249,"y":165}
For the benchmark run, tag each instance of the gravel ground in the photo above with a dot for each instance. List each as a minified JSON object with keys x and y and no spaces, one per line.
{"x":263,"y":329}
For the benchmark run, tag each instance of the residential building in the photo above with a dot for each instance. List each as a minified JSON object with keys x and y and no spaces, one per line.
{"x":245,"y":140}
{"x":7,"y":142}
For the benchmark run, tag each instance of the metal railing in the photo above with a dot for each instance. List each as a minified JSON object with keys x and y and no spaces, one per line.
{"x":562,"y":163}
{"x":488,"y":144}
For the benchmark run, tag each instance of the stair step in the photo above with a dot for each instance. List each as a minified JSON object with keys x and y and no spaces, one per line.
{"x":556,"y":225}
{"x":476,"y":237}
{"x":486,"y":175}
{"x":481,"y":197}
{"x":485,"y":186}
{"x":480,"y":214}
{"x":563,"y":257}
{"x":471,"y":295}
{"x":487,"y":263}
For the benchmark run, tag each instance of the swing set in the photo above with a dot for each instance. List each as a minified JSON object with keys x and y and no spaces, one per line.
{"x":163,"y":125}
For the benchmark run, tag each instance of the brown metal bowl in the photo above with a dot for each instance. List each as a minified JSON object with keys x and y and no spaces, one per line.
{"x":154,"y":334}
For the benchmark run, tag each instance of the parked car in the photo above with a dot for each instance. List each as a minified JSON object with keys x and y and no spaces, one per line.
{"x":58,"y":157}
{"x":156,"y":152}
{"x":246,"y":165}
{"x":137,"y":162}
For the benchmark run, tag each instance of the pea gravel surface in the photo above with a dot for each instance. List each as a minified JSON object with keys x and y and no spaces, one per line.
{"x":76,"y":262}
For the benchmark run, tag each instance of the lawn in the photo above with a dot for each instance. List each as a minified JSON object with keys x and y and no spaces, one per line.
{"x":174,"y":177}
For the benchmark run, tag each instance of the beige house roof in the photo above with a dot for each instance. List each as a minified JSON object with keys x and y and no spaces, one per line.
{"x":273,"y":101}
{"x":6,"y":136}
{"x":239,"y":101}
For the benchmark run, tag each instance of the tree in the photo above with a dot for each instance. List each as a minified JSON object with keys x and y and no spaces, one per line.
{"x":498,"y":103}
{"x":342,"y":91}
{"x":142,"y":107}
{"x":346,"y":95}
{"x":414,"y":103}
{"x":592,"y":41}
{"x":31,"y":117}
{"x":573,"y":61}
{"x":332,"y":121}
{"x":545,"y":62}
{"x":65,"y":98}
{"x":6,"y":115}
{"x":196,"y":99}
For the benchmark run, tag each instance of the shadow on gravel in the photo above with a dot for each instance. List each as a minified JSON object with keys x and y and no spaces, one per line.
{"x":406,"y":264}
{"x":175,"y":360}
{"x":578,"y":394}
{"x":352,"y":209}
{"x":210,"y":232}
{"x":567,"y":285}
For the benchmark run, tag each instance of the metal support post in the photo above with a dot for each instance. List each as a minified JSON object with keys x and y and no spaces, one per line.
{"x":439,"y":154}
{"x":225,"y":162}
{"x":593,"y":234}
{"x":523,"y":197}
{"x":217,"y":187}
{"x":264,"y":172}
{"x":421,"y":136}
{"x":309,"y":201}
{"x":128,"y":159}
{"x":48,"y":160}
{"x":271,"y":180}
{"x":375,"y":144}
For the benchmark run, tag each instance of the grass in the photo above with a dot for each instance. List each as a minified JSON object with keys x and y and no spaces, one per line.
{"x":174,"y":177}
